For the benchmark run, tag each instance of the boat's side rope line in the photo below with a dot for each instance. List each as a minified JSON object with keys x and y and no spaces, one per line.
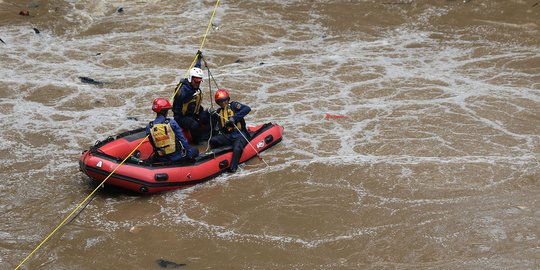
{"x":110,"y":174}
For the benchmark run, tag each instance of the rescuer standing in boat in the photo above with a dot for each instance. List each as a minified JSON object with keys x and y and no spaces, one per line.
{"x":232,"y":126}
{"x":166,"y":135}
{"x":187,"y":108}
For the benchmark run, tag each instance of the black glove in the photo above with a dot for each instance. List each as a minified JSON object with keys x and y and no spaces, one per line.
{"x":192,"y":153}
{"x":210,"y":111}
{"x":230,"y":122}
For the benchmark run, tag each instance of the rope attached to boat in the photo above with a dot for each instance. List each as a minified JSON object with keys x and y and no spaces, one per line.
{"x":244,"y":136}
{"x":210,"y":79}
{"x":128,"y":156}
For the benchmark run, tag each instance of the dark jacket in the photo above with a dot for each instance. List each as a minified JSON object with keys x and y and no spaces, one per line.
{"x":184,"y":95}
{"x":240,"y":111}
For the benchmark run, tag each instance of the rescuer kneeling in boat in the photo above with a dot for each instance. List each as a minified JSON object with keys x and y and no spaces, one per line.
{"x":187,"y":108}
{"x":166,"y":135}
{"x":232,"y":126}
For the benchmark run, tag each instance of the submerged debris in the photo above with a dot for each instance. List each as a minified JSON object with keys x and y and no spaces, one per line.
{"x":90,"y":81}
{"x":535,"y":4}
{"x":168,"y":264}
{"x":398,"y":3}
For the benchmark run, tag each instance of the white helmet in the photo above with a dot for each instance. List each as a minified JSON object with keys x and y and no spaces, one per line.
{"x":195,"y":72}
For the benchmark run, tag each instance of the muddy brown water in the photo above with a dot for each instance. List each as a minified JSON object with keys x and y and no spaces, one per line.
{"x":412,"y":134}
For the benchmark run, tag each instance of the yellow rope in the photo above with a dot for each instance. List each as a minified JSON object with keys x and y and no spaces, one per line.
{"x":106,"y":178}
{"x":79,"y":205}
{"x":200,"y":49}
{"x":209,"y":25}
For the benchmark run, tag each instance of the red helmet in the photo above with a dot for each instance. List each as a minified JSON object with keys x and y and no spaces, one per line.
{"x":221,"y":95}
{"x":160,"y":104}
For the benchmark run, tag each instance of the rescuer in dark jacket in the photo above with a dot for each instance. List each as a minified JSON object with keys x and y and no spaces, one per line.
{"x":187,"y":108}
{"x":232,"y":126}
{"x":166,"y":135}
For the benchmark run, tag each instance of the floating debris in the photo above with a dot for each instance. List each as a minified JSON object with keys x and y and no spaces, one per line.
{"x":24,"y":13}
{"x":120,"y":10}
{"x":535,"y":4}
{"x":36,"y":30}
{"x":261,"y":63}
{"x":238,"y":61}
{"x":132,"y":118}
{"x":398,"y":3}
{"x":329,"y":116}
{"x":135,"y":230}
{"x":2,"y":41}
{"x":168,"y":264}
{"x":90,"y":81}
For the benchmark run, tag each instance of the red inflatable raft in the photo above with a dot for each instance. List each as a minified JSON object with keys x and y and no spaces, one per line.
{"x":143,"y":177}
